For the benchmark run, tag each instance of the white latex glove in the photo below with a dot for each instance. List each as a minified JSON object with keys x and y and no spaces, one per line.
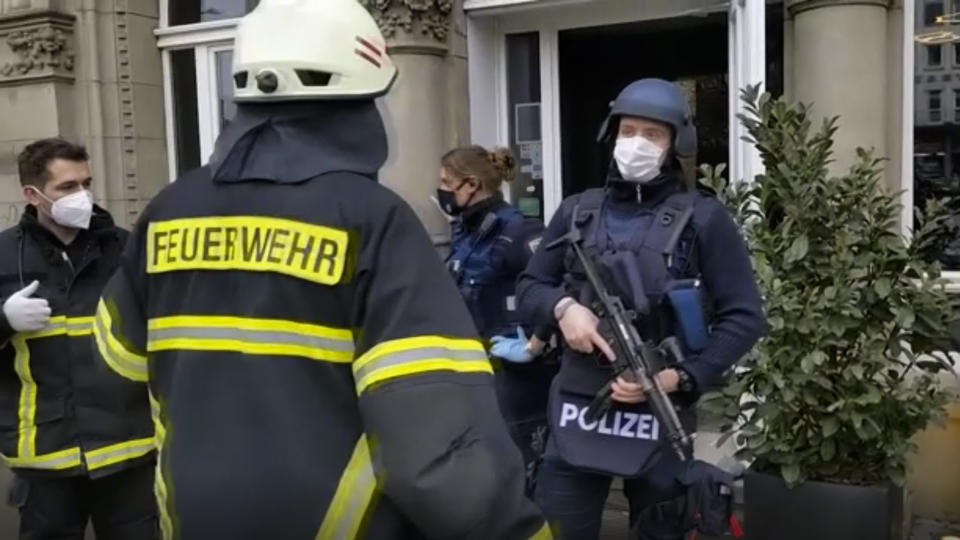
{"x":27,"y":314}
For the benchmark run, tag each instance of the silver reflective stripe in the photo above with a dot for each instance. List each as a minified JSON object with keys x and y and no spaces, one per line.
{"x":60,"y":462}
{"x":356,"y":504}
{"x":55,"y":463}
{"x":414,"y":355}
{"x":256,"y":336}
{"x":355,"y":493}
{"x":79,"y":326}
{"x":120,"y":360}
{"x":95,"y":457}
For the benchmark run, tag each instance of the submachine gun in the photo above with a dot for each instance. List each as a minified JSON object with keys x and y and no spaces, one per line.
{"x":634,"y":357}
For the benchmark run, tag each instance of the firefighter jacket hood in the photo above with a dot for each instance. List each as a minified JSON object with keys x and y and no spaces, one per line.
{"x":289,"y":143}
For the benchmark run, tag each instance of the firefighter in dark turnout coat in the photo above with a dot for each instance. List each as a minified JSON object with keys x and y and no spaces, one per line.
{"x":77,"y":436}
{"x":313,"y":372}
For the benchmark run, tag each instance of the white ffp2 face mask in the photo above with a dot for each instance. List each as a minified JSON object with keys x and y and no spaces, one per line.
{"x":638,"y":159}
{"x":73,"y":210}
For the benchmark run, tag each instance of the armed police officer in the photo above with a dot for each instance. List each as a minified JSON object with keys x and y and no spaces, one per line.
{"x":665,"y":249}
{"x":492,"y":242}
{"x":314,"y":373}
{"x":77,"y":436}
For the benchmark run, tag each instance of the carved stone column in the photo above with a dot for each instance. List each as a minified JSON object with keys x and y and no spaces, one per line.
{"x":37,"y":69}
{"x":840,"y":64}
{"x":422,"y":112}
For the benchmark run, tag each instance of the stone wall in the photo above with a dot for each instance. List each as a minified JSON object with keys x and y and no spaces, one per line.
{"x":87,"y":70}
{"x":426,"y":112}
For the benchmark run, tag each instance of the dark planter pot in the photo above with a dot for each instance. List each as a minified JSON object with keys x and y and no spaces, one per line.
{"x":820,"y":510}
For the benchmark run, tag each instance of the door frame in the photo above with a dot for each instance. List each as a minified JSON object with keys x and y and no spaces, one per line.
{"x":490,"y":21}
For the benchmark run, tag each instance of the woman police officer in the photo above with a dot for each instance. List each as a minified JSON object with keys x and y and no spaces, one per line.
{"x":491,"y":244}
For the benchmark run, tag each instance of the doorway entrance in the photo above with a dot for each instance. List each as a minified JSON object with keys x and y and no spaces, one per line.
{"x":556,"y":66}
{"x":596,"y":63}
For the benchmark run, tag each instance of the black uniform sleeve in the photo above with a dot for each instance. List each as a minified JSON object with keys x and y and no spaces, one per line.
{"x":541,"y":284}
{"x":440,"y":449}
{"x":120,"y":325}
{"x":6,"y":331}
{"x":738,"y":312}
{"x":526,"y":238}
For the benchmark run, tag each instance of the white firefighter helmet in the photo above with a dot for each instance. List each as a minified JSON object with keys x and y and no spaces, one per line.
{"x":310,"y":49}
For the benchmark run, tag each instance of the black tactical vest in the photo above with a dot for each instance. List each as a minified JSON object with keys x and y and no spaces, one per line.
{"x":628,"y":440}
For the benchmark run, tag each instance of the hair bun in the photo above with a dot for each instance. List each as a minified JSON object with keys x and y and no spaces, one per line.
{"x":504,"y":162}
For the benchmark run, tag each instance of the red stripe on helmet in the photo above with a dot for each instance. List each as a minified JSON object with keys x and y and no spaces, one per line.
{"x":370,"y":47}
{"x":367,"y":57}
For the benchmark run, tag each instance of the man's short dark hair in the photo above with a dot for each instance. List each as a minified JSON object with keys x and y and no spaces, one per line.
{"x":35,"y":158}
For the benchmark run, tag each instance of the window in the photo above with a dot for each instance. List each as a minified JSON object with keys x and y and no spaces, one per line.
{"x":197,"y":61}
{"x":935,"y":136}
{"x":933,"y":105}
{"x":934,"y":55}
{"x":523,"y":96}
{"x":197,"y":11}
{"x":186,"y":120}
{"x":932,"y":12}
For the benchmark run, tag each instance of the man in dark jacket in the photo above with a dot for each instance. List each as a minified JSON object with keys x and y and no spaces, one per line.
{"x":77,"y":436}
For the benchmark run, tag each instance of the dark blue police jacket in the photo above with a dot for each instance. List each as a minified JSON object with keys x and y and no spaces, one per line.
{"x":491,"y":244}
{"x":710,"y":249}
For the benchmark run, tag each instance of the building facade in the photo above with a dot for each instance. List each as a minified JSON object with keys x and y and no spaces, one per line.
{"x":145,"y":84}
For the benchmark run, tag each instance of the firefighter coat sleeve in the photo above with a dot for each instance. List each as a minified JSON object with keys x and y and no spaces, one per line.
{"x":120,"y":326}
{"x":440,"y":447}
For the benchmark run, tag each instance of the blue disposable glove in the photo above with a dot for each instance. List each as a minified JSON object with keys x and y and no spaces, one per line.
{"x":511,"y":349}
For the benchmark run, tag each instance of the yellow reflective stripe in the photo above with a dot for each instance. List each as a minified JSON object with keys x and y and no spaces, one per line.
{"x":62,"y":325}
{"x":125,"y":362}
{"x":115,"y":453}
{"x":79,"y":326}
{"x":250,"y":336}
{"x":543,"y":534}
{"x":159,"y":483}
{"x":55,"y":461}
{"x":353,"y":497}
{"x":414,"y":355}
{"x":27,"y":404}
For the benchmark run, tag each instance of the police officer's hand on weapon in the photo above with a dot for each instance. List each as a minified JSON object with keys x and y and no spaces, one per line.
{"x":580,"y":328}
{"x":625,"y":391}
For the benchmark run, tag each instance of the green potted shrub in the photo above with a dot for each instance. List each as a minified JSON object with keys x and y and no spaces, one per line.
{"x":825,"y":406}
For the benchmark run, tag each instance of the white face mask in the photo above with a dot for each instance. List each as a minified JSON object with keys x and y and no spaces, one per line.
{"x":73,"y":210}
{"x":638,"y":159}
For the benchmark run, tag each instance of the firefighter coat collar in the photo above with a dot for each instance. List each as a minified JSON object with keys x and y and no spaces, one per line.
{"x":289,"y":143}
